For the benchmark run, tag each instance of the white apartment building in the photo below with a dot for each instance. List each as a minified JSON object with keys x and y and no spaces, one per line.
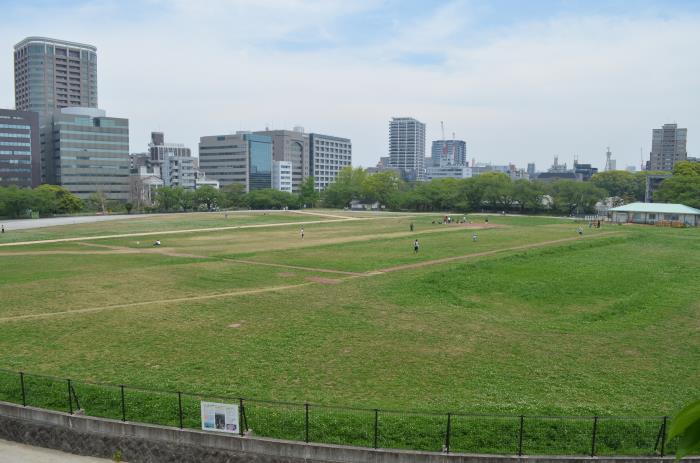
{"x":407,"y":146}
{"x":328,"y":155}
{"x":282,"y":176}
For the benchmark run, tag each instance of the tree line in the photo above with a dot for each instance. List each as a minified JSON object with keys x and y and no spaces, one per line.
{"x":497,"y":192}
{"x":487,"y":192}
{"x":45,"y":200}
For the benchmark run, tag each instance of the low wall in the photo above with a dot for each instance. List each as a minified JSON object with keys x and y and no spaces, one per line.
{"x":137,"y":443}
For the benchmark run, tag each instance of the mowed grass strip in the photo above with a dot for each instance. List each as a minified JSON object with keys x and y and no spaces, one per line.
{"x":34,"y":285}
{"x":378,"y":251}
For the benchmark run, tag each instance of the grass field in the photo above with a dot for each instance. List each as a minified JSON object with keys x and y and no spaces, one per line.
{"x":528,"y":320}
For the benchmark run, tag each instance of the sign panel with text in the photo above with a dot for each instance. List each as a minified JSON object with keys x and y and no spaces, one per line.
{"x":219,"y":417}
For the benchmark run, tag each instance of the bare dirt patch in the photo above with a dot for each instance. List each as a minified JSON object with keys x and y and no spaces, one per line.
{"x":324,"y":281}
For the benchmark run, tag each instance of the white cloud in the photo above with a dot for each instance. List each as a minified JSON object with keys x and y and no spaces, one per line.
{"x":565,"y":86}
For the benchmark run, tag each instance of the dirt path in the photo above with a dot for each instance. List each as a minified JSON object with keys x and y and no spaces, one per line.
{"x":243,"y":292}
{"x":321,"y":214}
{"x":295,"y":267}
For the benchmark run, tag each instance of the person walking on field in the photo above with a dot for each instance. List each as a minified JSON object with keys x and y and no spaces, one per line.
{"x":474,"y":237}
{"x":580,"y":232}
{"x":3,"y":228}
{"x":302,"y":233}
{"x":416,"y":245}
{"x":411,"y":226}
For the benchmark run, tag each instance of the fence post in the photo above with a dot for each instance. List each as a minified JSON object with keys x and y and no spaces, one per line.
{"x":70,"y":399}
{"x":376,"y":428}
{"x":595,"y":430}
{"x":447,"y":434}
{"x":240,"y":416}
{"x":520,"y":436}
{"x":123,"y":403}
{"x":663,"y":436}
{"x":24,"y":396}
{"x":179,"y":406}
{"x":306,"y":423}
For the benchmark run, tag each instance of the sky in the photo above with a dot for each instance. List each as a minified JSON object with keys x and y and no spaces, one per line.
{"x":520,"y":81}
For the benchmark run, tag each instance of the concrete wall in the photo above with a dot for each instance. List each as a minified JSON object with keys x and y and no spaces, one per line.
{"x":155,"y":444}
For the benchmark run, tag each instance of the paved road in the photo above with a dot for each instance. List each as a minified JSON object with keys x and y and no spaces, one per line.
{"x":12,"y":452}
{"x":25,"y":224}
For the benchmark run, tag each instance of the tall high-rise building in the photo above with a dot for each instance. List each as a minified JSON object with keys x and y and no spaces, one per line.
{"x":291,"y":146}
{"x":20,"y":155}
{"x":449,"y":153}
{"x":668,"y":146}
{"x":407,"y":146}
{"x":86,"y":152}
{"x":53,"y":74}
{"x":328,"y":155}
{"x":531,"y":169}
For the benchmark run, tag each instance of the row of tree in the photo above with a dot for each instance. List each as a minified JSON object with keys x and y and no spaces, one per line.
{"x":496,"y":191}
{"x":175,"y":199}
{"x":491,"y":191}
{"x":683,"y":187}
{"x":44,"y":200}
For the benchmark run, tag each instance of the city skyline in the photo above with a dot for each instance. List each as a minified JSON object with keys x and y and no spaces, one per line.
{"x":562,"y":78}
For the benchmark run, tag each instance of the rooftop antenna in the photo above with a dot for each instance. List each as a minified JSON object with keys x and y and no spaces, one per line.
{"x":444,"y":143}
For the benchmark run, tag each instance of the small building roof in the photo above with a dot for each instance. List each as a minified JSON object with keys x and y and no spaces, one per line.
{"x":662,"y":208}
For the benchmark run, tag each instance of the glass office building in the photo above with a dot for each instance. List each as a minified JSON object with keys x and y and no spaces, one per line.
{"x":20,"y":158}
{"x":260,"y":156}
{"x":243,"y":158}
{"x":86,"y":152}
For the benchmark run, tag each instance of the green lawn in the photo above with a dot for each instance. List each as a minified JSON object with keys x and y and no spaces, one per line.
{"x":606,"y":325}
{"x":161,"y":222}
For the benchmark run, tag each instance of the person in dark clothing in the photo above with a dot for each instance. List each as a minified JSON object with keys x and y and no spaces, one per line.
{"x":416,"y":245}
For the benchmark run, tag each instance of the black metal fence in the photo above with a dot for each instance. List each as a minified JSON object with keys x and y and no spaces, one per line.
{"x":372,"y":428}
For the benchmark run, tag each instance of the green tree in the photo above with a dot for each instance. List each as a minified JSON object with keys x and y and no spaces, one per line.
{"x":308,"y":195}
{"x":572,"y":197}
{"x":207,"y":196}
{"x":166,"y":199}
{"x":233,"y":195}
{"x":621,"y":184}
{"x":682,"y":188}
{"x":686,"y":425}
{"x":382,"y":187}
{"x":98,"y":201}
{"x":348,"y":186}
{"x":53,"y":199}
{"x":15,"y":202}
{"x":686,"y":169}
{"x":272,"y":199}
{"x":497,"y":189}
{"x":528,"y":195}
{"x":186,"y":198}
